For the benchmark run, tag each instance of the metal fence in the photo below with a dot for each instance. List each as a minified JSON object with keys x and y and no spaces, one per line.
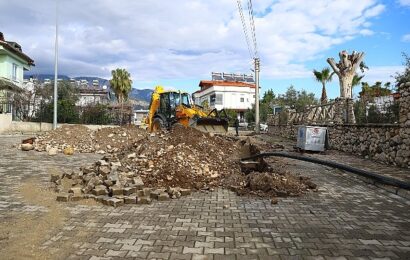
{"x":42,"y":111}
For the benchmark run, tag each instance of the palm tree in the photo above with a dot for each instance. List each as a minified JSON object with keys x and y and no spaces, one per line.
{"x":323,"y":76}
{"x":356,"y":82}
{"x":121,"y":85}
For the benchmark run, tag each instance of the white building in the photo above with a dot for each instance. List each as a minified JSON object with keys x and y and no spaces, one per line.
{"x":227,"y":91}
{"x":90,"y":96}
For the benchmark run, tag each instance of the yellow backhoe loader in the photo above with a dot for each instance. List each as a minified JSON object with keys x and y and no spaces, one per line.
{"x":169,"y":107}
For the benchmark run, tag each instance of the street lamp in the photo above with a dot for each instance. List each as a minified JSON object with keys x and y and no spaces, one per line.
{"x":55,"y":71}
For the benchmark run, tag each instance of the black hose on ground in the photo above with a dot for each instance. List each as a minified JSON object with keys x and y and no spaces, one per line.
{"x":374,"y":176}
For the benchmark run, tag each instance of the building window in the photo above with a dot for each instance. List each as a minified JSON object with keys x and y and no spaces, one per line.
{"x":242,"y":99}
{"x":216,"y":99}
{"x":219,"y":99}
{"x":212,"y":99}
{"x":14,"y":72}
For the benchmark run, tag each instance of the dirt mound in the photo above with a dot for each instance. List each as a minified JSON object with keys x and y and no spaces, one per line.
{"x":77,"y":136}
{"x":84,"y":140}
{"x":183,"y":158}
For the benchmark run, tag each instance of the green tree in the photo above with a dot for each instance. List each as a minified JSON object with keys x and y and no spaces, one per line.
{"x":356,"y":81}
{"x":268,"y":97}
{"x":405,"y":76}
{"x":323,"y":76}
{"x":66,"y":103}
{"x":121,"y":84}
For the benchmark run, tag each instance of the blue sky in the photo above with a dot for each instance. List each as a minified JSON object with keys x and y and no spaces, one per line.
{"x":382,"y":47}
{"x":178,"y":43}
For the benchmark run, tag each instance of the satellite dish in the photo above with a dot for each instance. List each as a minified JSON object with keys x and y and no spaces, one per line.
{"x":104,"y":87}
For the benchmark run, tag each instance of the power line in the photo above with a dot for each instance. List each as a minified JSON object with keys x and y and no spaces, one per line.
{"x":252,"y":26}
{"x":245,"y":28}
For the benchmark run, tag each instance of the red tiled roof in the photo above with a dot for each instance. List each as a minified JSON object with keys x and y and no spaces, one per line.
{"x":205,"y":84}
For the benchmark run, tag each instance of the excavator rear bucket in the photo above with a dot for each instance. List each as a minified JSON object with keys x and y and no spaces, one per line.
{"x":211,"y":125}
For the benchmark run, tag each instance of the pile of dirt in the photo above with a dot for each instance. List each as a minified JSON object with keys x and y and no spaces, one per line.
{"x":183,"y":158}
{"x":84,"y":140}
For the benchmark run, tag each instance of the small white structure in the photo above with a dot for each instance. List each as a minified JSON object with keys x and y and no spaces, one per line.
{"x":138,"y":117}
{"x":90,"y":96}
{"x":227,"y":91}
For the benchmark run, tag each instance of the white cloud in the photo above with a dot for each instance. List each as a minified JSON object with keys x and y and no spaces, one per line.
{"x":404,"y":2}
{"x":382,"y":73}
{"x":183,"y":39}
{"x":405,"y":38}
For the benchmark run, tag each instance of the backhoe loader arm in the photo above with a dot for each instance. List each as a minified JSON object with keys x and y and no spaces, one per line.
{"x":155,"y":102}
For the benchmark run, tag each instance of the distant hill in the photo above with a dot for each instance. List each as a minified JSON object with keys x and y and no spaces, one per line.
{"x":141,"y":97}
{"x":42,"y":77}
{"x":141,"y":94}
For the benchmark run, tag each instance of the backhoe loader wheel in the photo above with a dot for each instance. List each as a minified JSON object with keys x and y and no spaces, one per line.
{"x":157,"y":125}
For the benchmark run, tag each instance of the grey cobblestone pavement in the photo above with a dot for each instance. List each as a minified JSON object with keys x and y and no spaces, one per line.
{"x":348,"y":159}
{"x":346,"y":219}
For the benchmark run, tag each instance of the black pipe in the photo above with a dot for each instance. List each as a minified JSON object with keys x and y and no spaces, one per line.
{"x":377,"y":177}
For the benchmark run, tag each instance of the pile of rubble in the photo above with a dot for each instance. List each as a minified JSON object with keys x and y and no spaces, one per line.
{"x":170,"y":164}
{"x":80,"y":139}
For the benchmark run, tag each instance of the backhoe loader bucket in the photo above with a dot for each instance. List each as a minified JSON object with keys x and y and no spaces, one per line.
{"x":211,"y":125}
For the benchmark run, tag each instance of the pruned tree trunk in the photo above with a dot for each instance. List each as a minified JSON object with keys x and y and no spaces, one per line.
{"x":345,"y":69}
{"x":323,"y":98}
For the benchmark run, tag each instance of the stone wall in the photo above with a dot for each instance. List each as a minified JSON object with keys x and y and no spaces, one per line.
{"x":384,"y":143}
{"x":389,"y":144}
{"x":405,"y":104}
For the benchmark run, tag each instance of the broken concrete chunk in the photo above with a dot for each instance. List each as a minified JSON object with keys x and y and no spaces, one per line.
{"x":52,"y":151}
{"x":129,"y":190}
{"x":77,"y":197}
{"x":75,"y":190}
{"x":100,"y":198}
{"x":154,"y":194}
{"x":185,"y":192}
{"x":104,"y":170}
{"x":143,"y":200}
{"x":115,"y":164}
{"x":130,"y":200}
{"x":163,"y":196}
{"x":68,"y":150}
{"x":102,"y":163}
{"x":132,"y":156}
{"x":64,"y":197}
{"x":113,"y":176}
{"x":27,"y":147}
{"x":116,"y":190}
{"x":139,"y":184}
{"x":100,"y":190}
{"x":274,"y":201}
{"x":55,"y":177}
{"x":115,"y":202}
{"x":140,"y":193}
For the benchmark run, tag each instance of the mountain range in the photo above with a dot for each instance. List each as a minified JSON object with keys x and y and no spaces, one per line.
{"x":142,"y":96}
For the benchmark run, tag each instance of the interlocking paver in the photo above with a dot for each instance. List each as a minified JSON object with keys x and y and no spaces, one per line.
{"x":346,"y":219}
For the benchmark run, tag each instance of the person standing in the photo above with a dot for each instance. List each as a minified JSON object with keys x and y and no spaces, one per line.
{"x":236,"y":125}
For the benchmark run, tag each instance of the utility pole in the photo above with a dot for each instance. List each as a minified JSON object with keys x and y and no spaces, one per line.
{"x":257,"y":127}
{"x":55,"y":71}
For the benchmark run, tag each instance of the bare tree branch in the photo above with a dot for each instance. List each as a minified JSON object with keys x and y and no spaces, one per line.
{"x":332,"y":64}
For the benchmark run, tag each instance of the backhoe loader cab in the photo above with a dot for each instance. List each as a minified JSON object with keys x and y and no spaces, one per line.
{"x":170,"y":107}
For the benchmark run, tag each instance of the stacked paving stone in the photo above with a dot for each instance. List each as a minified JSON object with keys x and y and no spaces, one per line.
{"x":109,"y":187}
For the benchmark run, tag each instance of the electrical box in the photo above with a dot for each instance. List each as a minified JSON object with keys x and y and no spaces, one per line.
{"x":312,"y":138}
